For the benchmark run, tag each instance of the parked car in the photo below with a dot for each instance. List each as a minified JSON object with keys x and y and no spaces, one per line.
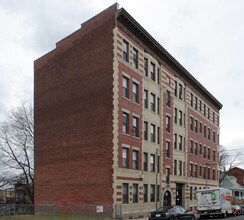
{"x":236,"y":210}
{"x":175,"y":212}
{"x":242,"y":210}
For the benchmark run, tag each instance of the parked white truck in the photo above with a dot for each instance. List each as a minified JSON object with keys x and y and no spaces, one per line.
{"x":214,"y":202}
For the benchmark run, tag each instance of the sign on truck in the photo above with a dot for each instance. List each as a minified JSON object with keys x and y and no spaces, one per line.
{"x":214,"y":202}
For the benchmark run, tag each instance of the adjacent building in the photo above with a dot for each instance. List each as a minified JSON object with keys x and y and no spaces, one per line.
{"x":119,"y":121}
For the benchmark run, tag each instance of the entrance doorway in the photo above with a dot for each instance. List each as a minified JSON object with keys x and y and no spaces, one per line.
{"x":167,"y":198}
{"x":179,"y":190}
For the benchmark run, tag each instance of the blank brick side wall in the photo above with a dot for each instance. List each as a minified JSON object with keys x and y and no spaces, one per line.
{"x":73,"y":117}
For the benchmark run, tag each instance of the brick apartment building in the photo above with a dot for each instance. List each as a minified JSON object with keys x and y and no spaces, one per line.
{"x":119,"y":121}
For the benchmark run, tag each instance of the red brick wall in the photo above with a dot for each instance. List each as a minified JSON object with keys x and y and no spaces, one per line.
{"x":73,"y":91}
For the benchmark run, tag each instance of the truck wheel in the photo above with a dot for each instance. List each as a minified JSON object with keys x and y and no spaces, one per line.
{"x":224,"y":215}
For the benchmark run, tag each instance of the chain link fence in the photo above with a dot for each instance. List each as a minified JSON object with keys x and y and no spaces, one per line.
{"x":79,"y":212}
{"x":16,"y":209}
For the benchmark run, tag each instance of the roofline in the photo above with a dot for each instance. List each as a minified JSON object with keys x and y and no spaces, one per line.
{"x":124,"y":17}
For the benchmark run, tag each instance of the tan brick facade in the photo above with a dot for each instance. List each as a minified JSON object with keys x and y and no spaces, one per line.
{"x":113,"y":115}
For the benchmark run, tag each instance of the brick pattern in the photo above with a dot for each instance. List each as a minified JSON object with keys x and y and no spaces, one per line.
{"x":73,"y":117}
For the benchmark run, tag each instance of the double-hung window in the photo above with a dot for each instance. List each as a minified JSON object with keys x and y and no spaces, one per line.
{"x":135,"y":126}
{"x":153,"y":133}
{"x":152,"y":71}
{"x":153,"y":102}
{"x":125,"y":193}
{"x":135,"y":193}
{"x":152,"y":163}
{"x":125,"y":50}
{"x":135,"y":91}
{"x":125,"y":89}
{"x":125,"y":123}
{"x":135,"y":159}
{"x":167,"y":149}
{"x":135,"y":58}
{"x":125,"y":157}
{"x":145,"y":66}
{"x":145,"y":98}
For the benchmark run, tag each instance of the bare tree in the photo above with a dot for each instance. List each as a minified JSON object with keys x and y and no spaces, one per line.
{"x":17,"y":149}
{"x":227,"y":161}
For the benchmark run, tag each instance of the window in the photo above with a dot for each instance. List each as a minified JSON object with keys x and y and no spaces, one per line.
{"x":145,"y":193}
{"x":145,"y":99}
{"x":214,"y":155}
{"x":125,"y":193}
{"x":153,"y":102}
{"x":158,"y":105}
{"x":196,"y":149}
{"x":152,"y":193}
{"x":152,"y":133}
{"x":213,"y":117}
{"x":167,"y":123}
{"x":145,"y":161}
{"x":200,"y":127}
{"x":191,"y":123}
{"x":167,"y":175}
{"x":152,"y":163}
{"x":135,"y":192}
{"x":125,"y":89}
{"x":175,"y":167}
{"x":200,"y":149}
{"x":191,"y":170}
{"x":208,"y":113}
{"x":175,"y":115}
{"x":196,"y":102}
{"x":180,"y":91}
{"x":191,"y":146}
{"x":200,"y":105}
{"x":125,"y":123}
{"x":125,"y":50}
{"x":135,"y":159}
{"x":214,"y":137}
{"x":145,"y":130}
{"x":175,"y":141}
{"x":167,"y":149}
{"x":208,"y":133}
{"x":175,"y":88}
{"x":145,"y":67}
{"x":158,"y":135}
{"x":195,"y":170}
{"x":180,"y":142}
{"x":135,"y":58}
{"x":204,"y":110}
{"x":125,"y":157}
{"x":152,"y":71}
{"x":204,"y":151}
{"x":180,"y":118}
{"x":135,"y":91}
{"x":168,"y":98}
{"x":208,"y":173}
{"x":196,"y":126}
{"x":204,"y":172}
{"x":214,"y":174}
{"x":191,"y":100}
{"x":200,"y":170}
{"x":158,"y":76}
{"x":205,"y":131}
{"x":209,"y":153}
{"x":135,"y":127}
{"x":180,"y":168}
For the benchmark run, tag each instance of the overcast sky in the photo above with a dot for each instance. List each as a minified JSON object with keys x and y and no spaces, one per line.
{"x":205,"y":36}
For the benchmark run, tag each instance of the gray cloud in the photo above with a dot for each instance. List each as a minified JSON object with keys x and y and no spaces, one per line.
{"x":206,"y":37}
